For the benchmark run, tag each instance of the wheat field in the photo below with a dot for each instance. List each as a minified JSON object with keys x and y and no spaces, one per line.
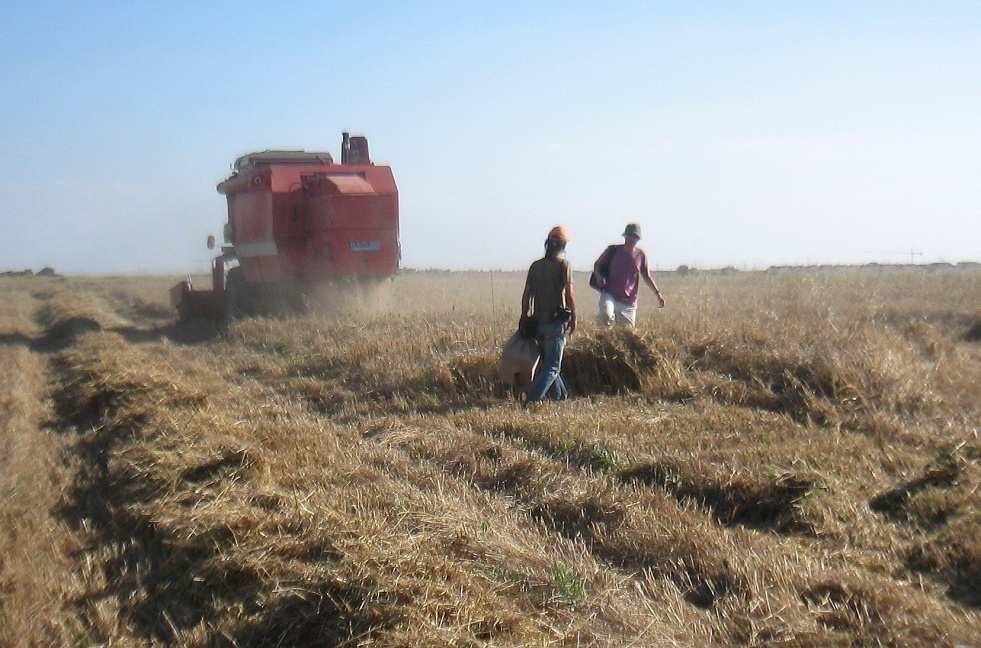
{"x":775,"y":459}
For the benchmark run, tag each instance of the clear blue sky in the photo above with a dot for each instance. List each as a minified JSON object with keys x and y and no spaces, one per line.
{"x":736,"y":133}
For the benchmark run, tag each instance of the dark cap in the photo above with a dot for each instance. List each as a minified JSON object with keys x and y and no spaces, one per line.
{"x":632,"y":229}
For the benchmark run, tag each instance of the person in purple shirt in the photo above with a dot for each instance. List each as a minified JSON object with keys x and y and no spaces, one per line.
{"x":618,"y":272}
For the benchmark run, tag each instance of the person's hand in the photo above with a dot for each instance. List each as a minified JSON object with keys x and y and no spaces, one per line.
{"x":660,"y":301}
{"x":572,"y":326}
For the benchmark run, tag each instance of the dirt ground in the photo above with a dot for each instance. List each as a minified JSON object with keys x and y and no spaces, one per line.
{"x":776,"y":459}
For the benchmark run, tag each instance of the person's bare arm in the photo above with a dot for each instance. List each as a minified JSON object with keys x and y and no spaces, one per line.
{"x":649,"y":279}
{"x":570,"y":299}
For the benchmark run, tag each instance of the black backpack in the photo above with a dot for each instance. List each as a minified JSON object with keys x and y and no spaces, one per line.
{"x":527,"y":327}
{"x":604,"y":268}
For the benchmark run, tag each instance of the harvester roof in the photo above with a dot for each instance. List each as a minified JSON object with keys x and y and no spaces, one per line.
{"x":265,"y":158}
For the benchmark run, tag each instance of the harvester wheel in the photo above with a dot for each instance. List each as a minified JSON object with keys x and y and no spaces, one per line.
{"x":235,"y":295}
{"x":184,"y":312}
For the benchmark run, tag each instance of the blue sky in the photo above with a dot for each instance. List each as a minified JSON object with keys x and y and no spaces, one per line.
{"x":740,"y":134}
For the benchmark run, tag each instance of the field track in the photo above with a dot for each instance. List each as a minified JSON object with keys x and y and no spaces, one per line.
{"x":774,"y":460}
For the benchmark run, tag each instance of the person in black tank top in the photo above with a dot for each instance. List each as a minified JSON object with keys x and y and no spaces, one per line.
{"x":549,"y":299}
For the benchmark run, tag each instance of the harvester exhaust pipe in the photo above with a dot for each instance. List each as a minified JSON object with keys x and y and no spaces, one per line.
{"x":354,"y":150}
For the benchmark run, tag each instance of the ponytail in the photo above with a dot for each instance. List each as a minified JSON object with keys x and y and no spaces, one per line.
{"x":553,"y":246}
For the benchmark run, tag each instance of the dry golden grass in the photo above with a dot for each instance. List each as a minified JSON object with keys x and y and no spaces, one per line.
{"x":38,"y":577}
{"x":772,"y":460}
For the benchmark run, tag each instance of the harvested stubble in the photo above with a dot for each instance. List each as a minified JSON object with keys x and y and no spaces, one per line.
{"x":787,"y":461}
{"x":292,"y":529}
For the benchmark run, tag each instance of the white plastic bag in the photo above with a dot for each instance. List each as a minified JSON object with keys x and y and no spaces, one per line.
{"x":518,"y":360}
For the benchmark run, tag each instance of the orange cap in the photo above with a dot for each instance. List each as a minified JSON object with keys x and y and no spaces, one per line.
{"x":559,"y":233}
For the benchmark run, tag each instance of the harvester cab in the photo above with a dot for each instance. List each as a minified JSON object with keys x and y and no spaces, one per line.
{"x":297,"y":219}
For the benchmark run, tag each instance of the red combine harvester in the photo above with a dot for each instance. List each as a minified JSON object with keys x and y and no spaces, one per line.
{"x":297,"y":220}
